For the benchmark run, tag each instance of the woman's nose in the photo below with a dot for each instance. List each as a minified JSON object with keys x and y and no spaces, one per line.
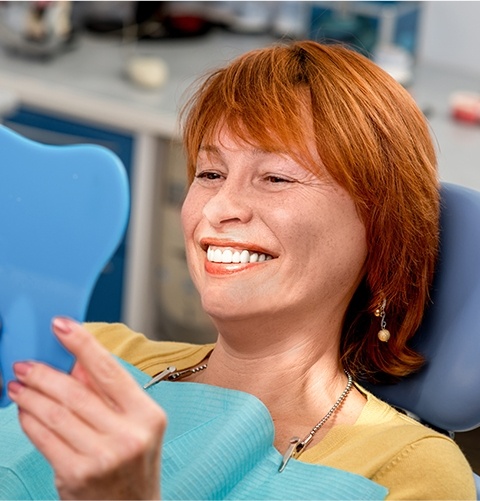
{"x":231,"y":203}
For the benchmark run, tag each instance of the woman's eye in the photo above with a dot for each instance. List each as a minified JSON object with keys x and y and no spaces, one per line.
{"x":277,"y":179}
{"x":208,"y":175}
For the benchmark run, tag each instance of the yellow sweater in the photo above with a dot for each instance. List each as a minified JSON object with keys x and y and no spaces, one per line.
{"x":411,"y":460}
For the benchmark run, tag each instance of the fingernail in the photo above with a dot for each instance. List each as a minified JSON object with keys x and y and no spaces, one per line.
{"x":14,"y":388}
{"x":62,"y":325}
{"x":22,"y":368}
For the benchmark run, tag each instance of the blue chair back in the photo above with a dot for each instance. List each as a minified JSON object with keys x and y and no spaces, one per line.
{"x":445,"y":392}
{"x":63,"y":212}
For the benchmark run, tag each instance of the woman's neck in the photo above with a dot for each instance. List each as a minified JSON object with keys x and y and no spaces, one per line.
{"x":297,"y":376}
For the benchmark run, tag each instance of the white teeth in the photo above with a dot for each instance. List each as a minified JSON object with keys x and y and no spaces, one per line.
{"x":228,"y":256}
{"x":217,"y":256}
{"x":244,"y":256}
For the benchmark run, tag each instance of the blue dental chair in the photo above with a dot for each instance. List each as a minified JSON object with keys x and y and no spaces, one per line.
{"x":445,"y":393}
{"x":63,"y":212}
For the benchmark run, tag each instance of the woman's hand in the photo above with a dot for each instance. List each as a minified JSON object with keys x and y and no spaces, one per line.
{"x":98,"y":429}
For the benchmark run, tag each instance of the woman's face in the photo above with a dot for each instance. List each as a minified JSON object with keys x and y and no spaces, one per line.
{"x":265,"y":236}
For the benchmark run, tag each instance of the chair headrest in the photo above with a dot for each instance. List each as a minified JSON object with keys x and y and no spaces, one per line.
{"x":444,"y":393}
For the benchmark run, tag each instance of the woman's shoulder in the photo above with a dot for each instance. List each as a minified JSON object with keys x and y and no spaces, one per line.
{"x":148,"y":355}
{"x":423,"y":463}
{"x":412,"y":460}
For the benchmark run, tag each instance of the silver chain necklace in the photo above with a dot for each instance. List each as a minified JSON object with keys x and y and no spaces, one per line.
{"x":296,"y":446}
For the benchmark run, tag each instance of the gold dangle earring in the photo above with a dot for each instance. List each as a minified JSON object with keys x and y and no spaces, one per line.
{"x":383,"y":333}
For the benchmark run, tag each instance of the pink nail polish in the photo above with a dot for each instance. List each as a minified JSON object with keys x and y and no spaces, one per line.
{"x":22,"y":368}
{"x":62,"y":325}
{"x":14,"y":388}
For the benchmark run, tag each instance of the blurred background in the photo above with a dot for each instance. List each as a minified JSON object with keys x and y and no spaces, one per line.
{"x":115,"y":73}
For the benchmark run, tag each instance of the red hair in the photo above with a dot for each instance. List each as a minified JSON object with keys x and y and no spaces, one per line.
{"x":374,"y":141}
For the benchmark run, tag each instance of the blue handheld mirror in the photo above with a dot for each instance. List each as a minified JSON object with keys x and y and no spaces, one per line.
{"x":63,"y":212}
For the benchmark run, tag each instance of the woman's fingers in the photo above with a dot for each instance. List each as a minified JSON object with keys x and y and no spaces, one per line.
{"x":105,"y":473}
{"x":54,"y":430}
{"x":100,"y":389}
{"x":56,"y":397}
{"x":102,"y":369}
{"x":97,"y":427}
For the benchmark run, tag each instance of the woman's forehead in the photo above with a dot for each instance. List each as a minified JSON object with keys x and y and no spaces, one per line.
{"x":227,"y":137}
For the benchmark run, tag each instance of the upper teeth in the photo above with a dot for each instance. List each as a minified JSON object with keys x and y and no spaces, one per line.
{"x":228,"y":256}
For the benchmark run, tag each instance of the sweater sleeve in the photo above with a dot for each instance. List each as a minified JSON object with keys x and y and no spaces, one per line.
{"x":430,"y":468}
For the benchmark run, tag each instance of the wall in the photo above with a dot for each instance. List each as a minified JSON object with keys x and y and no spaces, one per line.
{"x":450,"y":35}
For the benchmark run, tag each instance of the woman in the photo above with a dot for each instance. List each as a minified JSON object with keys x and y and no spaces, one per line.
{"x":311,"y":225}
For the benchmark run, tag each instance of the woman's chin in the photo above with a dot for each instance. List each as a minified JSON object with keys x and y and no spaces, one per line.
{"x":225,"y":309}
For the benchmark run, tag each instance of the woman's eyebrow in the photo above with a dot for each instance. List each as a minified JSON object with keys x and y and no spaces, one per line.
{"x":210,"y":148}
{"x":210,"y":151}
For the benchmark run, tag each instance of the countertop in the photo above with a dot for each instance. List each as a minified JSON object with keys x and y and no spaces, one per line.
{"x":89,"y":81}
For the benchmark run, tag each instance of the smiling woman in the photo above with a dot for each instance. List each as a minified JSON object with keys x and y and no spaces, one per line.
{"x":311,"y":230}
{"x":339,"y":116}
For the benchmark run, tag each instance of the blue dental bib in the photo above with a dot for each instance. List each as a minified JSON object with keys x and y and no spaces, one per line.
{"x":218,"y":445}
